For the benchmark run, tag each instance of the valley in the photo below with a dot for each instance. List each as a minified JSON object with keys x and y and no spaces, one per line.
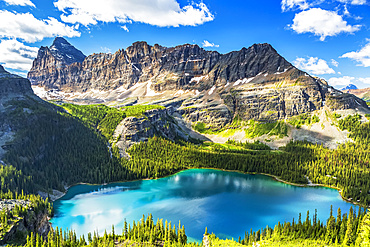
{"x":148,"y":112}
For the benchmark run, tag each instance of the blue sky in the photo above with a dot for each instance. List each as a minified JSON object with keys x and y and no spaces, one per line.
{"x":329,"y":39}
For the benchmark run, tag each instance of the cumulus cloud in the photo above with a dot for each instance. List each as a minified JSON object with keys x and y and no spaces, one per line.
{"x":30,"y":29}
{"x":354,"y":2}
{"x":16,"y":55}
{"x":163,"y":13}
{"x":365,"y":80}
{"x":362,"y":56}
{"x":20,"y":2}
{"x":334,"y":63}
{"x":206,"y":43}
{"x":124,"y":27}
{"x":106,"y":49}
{"x":321,"y":23}
{"x":341,"y":81}
{"x":313,"y":65}
{"x":291,"y":4}
{"x":346,"y":80}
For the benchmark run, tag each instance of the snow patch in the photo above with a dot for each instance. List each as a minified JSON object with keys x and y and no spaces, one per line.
{"x":278,"y":73}
{"x":227,"y":84}
{"x":211,"y":91}
{"x":197,"y":92}
{"x":149,"y":91}
{"x":135,"y":67}
{"x":180,"y":92}
{"x":243,"y":81}
{"x":198,"y":79}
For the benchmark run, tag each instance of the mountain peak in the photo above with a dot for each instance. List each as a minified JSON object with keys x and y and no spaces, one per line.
{"x":349,"y":87}
{"x":262,"y":46}
{"x":63,"y":51}
{"x":59,"y":41}
{"x":2,"y":69}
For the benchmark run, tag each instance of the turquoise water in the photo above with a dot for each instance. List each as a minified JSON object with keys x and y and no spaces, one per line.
{"x":228,"y":203}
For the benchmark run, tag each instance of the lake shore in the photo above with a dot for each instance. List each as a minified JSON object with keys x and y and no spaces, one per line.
{"x":59,"y":194}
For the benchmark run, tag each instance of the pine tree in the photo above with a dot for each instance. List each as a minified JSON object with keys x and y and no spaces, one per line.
{"x":363,"y":238}
{"x":349,"y":235}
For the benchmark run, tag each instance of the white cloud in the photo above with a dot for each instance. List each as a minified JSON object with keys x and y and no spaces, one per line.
{"x":106,"y":49}
{"x":16,"y":55}
{"x":30,"y":29}
{"x":322,"y":23}
{"x":313,"y":65}
{"x":163,"y":13}
{"x":290,"y":4}
{"x":362,"y":56}
{"x":365,"y":80}
{"x":346,"y":80}
{"x":354,"y":2}
{"x":124,"y":27}
{"x":341,"y":81}
{"x":20,"y":2}
{"x":334,"y":63}
{"x":206,"y":43}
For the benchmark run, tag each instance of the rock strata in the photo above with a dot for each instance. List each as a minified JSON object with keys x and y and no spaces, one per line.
{"x":252,"y":83}
{"x":156,"y":122}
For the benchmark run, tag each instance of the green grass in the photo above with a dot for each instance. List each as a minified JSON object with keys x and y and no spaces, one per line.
{"x":336,"y":115}
{"x":251,"y":128}
{"x":105,"y":118}
{"x":303,"y":119}
{"x":100,"y":117}
{"x":204,"y":129}
{"x":139,"y":110}
{"x":257,"y":129}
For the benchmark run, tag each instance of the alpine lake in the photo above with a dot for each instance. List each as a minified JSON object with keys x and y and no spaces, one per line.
{"x":227,"y":203}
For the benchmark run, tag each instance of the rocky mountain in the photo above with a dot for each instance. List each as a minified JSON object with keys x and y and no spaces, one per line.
{"x":59,"y":55}
{"x":12,"y":88}
{"x":13,"y":85}
{"x":252,"y":83}
{"x":349,"y":87}
{"x":363,"y":93}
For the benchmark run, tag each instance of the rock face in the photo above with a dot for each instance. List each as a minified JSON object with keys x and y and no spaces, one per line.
{"x":12,"y":88}
{"x":37,"y":223}
{"x":156,"y":122}
{"x":254,"y":83}
{"x":13,"y":85}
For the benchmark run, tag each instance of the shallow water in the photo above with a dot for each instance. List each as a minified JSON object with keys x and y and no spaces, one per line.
{"x":228,"y":203}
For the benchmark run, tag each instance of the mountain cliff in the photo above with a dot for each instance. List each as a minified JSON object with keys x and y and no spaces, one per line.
{"x":252,"y":83}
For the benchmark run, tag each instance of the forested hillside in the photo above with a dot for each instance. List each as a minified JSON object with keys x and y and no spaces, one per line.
{"x":338,"y":230}
{"x":55,"y":148}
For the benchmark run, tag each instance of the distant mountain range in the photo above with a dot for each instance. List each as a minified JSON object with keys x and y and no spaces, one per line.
{"x":363,"y":93}
{"x":349,"y":87}
{"x":252,"y":83}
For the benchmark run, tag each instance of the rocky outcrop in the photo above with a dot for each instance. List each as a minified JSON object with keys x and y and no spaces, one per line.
{"x":32,"y":222}
{"x":253,"y":83}
{"x":11,"y":85}
{"x":12,"y":88}
{"x":156,"y":122}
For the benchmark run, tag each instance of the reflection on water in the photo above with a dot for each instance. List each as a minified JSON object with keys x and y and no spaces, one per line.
{"x":228,"y":203}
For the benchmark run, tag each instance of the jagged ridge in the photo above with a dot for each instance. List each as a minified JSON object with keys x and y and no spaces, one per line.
{"x":254,"y":83}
